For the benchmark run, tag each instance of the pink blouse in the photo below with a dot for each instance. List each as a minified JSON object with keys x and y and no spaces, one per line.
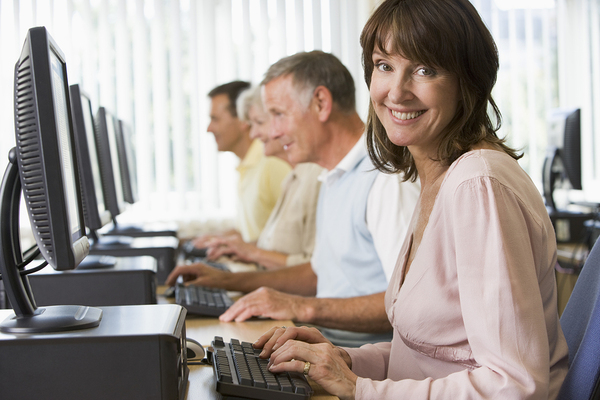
{"x":476,"y":315}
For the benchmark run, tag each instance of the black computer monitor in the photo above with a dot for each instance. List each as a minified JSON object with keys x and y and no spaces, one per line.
{"x":127,"y":162}
{"x":44,"y":166}
{"x":96,"y":214}
{"x":562,"y":165}
{"x":109,"y":162}
{"x":119,"y":180}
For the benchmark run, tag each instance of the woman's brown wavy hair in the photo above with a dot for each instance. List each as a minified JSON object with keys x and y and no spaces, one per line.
{"x":446,"y":34}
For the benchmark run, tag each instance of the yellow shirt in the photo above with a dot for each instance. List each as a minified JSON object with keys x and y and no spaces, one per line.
{"x":259,"y":188}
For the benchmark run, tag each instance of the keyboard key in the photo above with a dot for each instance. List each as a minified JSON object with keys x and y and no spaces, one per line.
{"x":286,"y":385}
{"x":219,"y":341}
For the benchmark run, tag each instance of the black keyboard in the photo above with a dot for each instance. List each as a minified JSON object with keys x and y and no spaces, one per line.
{"x":202,"y":300}
{"x":241,"y":373}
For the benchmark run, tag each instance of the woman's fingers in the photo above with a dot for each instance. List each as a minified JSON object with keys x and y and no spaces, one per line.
{"x":322,"y":362}
{"x":268,"y":340}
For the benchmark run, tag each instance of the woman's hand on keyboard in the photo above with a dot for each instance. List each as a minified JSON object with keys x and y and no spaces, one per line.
{"x":275,"y":337}
{"x":291,"y":348}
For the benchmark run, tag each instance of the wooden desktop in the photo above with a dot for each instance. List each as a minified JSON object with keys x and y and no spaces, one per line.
{"x":201,"y":379}
{"x":203,"y":329}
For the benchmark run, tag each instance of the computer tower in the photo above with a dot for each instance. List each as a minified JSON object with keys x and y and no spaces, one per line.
{"x":162,"y":248}
{"x":137,"y":352}
{"x":131,"y":281}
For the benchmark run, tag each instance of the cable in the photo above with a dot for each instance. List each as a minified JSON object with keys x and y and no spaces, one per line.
{"x":21,"y":266}
{"x":30,"y":258}
{"x":34,"y":269}
{"x":24,"y":272}
{"x":30,"y":248}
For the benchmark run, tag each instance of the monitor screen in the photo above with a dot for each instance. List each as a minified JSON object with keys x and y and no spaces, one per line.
{"x":59,"y":94}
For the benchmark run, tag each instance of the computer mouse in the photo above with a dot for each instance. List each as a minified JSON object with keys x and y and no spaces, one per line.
{"x":195,"y":351}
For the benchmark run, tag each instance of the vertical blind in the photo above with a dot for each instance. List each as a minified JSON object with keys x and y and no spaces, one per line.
{"x":151,"y":62}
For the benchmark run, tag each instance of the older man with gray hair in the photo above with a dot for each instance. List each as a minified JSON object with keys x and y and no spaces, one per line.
{"x":361,"y":213}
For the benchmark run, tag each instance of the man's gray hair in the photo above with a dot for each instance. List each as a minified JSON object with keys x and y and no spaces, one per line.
{"x":316,"y":68}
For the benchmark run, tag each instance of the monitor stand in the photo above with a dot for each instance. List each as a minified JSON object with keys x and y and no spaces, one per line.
{"x":137,"y":352}
{"x":97,"y":262}
{"x":122,"y":241}
{"x":139,"y":230}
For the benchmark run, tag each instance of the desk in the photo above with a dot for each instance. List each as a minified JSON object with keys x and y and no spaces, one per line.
{"x":201,"y":384}
{"x":201,"y":380}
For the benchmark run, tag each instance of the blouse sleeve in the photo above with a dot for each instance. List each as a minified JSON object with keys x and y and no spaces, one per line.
{"x":500,"y":251}
{"x":370,"y":360}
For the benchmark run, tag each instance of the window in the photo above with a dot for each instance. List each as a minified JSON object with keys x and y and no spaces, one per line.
{"x":151,"y":62}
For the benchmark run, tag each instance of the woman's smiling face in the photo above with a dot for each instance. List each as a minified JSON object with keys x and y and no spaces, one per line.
{"x":414,"y":102}
{"x":260,"y":126}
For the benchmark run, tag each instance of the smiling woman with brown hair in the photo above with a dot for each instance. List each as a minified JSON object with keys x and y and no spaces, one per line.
{"x":473,"y":297}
